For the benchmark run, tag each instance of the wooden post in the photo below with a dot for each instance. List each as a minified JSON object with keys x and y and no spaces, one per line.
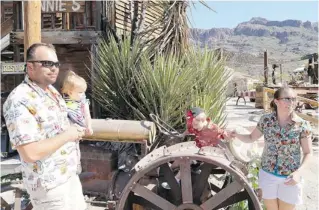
{"x":311,"y":79}
{"x":265,"y":99}
{"x":315,"y":67}
{"x":32,"y":23}
{"x":266,"y":68}
{"x":280,"y":66}
{"x":17,"y":11}
{"x":98,"y":14}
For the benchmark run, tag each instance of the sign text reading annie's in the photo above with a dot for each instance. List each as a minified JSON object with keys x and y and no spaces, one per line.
{"x":52,"y":6}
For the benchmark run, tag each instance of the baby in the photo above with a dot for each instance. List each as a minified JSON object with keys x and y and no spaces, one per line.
{"x":73,"y":92}
{"x":206,"y":133}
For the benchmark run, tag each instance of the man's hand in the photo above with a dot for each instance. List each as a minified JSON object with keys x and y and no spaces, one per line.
{"x":38,"y":150}
{"x":75,"y":132}
{"x":88,"y":131}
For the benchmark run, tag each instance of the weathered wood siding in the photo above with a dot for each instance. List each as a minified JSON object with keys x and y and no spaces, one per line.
{"x":123,"y":15}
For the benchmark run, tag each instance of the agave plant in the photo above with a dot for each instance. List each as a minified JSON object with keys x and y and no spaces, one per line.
{"x":129,"y":85}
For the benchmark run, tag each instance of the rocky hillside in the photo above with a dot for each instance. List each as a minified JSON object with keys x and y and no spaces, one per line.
{"x":286,"y":41}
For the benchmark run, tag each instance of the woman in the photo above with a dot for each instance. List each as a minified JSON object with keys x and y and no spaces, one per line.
{"x":281,"y":169}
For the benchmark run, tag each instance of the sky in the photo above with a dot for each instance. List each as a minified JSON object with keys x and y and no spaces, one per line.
{"x":230,"y":13}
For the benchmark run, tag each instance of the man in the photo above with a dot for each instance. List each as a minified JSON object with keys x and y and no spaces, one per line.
{"x":36,"y":118}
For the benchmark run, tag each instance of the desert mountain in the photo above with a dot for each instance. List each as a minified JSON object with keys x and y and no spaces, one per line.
{"x":286,"y":41}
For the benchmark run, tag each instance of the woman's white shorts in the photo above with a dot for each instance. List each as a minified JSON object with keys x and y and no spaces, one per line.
{"x":274,"y":187}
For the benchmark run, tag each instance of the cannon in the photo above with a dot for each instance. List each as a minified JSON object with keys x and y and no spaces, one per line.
{"x":169,"y":173}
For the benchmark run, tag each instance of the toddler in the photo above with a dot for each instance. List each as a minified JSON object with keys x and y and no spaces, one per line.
{"x":73,"y":92}
{"x":197,"y":122}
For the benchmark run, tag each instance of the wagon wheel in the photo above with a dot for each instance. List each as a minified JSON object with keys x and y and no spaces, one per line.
{"x":195,"y":190}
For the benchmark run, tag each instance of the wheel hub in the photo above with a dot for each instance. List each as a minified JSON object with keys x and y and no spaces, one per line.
{"x":188,"y":206}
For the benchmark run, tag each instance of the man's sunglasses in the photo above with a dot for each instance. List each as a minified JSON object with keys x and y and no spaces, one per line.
{"x":288,"y":99}
{"x":47,"y":64}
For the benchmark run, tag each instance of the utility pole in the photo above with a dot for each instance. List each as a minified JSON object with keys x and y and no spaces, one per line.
{"x":280,"y":66}
{"x":32,"y":24}
{"x":266,"y":68}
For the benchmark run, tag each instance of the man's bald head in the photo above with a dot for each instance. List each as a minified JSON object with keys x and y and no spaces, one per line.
{"x":42,"y":64}
{"x":32,"y":49}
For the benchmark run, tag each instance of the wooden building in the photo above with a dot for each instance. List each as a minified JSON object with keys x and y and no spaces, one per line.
{"x":73,"y":27}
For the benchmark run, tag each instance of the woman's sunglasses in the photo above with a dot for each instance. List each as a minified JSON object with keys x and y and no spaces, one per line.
{"x":288,"y":99}
{"x":47,"y":64}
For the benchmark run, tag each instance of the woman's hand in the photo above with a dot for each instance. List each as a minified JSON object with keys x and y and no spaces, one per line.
{"x":293,"y":178}
{"x":230,"y":135}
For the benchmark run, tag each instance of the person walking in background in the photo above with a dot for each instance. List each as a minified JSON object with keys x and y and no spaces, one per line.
{"x":235,"y":89}
{"x":238,"y":94}
{"x":280,"y":176}
{"x":38,"y":125}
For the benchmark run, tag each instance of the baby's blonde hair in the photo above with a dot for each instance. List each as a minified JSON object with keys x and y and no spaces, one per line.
{"x":71,"y":81}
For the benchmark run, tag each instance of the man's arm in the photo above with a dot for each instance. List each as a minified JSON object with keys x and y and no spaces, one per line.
{"x":88,"y":119}
{"x":34,"y":151}
{"x":25,"y":133}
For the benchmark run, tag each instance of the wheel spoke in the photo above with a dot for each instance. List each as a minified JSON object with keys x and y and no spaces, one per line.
{"x":225,"y":193}
{"x":186,"y":181}
{"x":152,"y":197}
{"x":201,"y":181}
{"x":218,"y":171}
{"x":169,"y":177}
{"x":214,"y":188}
{"x":251,"y":205}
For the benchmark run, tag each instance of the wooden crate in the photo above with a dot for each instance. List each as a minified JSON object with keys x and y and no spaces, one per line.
{"x":260,"y":100}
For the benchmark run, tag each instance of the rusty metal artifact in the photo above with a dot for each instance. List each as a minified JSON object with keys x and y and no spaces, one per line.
{"x":201,"y":185}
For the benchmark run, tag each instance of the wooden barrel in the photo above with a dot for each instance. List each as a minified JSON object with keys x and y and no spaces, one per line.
{"x":122,"y":130}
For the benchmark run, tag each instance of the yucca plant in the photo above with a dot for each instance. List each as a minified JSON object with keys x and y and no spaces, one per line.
{"x":129,"y":85}
{"x":136,"y":76}
{"x":115,"y":63}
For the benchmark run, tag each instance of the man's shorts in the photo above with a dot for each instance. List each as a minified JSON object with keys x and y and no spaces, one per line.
{"x":274,"y":187}
{"x":68,"y":196}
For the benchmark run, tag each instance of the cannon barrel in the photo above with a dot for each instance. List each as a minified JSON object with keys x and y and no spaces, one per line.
{"x":122,"y":130}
